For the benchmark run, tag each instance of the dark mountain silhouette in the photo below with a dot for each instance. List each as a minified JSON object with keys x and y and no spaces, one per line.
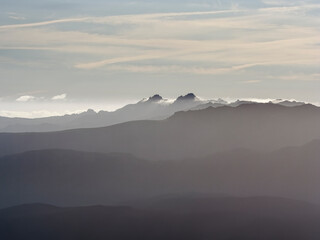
{"x":260,"y":127}
{"x":65,"y":177}
{"x":188,"y":97}
{"x":152,"y":108}
{"x":171,"y":219}
{"x":155,"y":98}
{"x":290,"y":103}
{"x":240,"y":102}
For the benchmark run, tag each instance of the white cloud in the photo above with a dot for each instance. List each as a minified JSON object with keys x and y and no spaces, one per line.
{"x":300,"y":77}
{"x":37,"y":24}
{"x":171,"y":69}
{"x":35,"y":113}
{"x":170,"y":35}
{"x":59,"y":97}
{"x":93,"y":65}
{"x":25,"y":98}
{"x":17,"y":17}
{"x":195,"y":70}
{"x":29,"y":98}
{"x":116,"y":19}
{"x":251,"y":81}
{"x":36,"y":109}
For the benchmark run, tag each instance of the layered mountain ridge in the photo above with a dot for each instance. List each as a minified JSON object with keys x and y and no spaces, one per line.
{"x":73,"y":178}
{"x":153,"y":108}
{"x":238,"y":170}
{"x":261,"y":127}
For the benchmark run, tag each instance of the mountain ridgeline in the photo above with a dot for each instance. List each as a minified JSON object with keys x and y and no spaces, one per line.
{"x":73,"y":178}
{"x":152,"y":108}
{"x":187,"y":170}
{"x":189,"y":134}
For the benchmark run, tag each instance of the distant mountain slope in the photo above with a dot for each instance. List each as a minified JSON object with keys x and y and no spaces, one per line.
{"x":67,"y":177}
{"x":186,"y":134}
{"x":152,"y":108}
{"x":177,"y":219}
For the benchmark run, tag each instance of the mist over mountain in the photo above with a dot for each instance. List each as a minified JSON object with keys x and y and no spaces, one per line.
{"x":259,"y":127}
{"x":152,"y":108}
{"x":196,"y":169}
{"x":73,"y":178}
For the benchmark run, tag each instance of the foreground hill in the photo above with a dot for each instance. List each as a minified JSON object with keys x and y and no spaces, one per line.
{"x":172,"y":219}
{"x":261,"y":127}
{"x":65,"y":177}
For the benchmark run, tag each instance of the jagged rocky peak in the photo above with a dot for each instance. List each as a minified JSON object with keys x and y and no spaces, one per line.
{"x":189,"y":96}
{"x":220,"y":100}
{"x":88,"y":112}
{"x":155,"y":98}
{"x":293,"y":103}
{"x":91,"y":111}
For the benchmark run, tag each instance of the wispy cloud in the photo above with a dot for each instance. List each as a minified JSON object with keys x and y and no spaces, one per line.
{"x":195,"y":70}
{"x":93,"y":65}
{"x":251,"y":81}
{"x":25,"y":98}
{"x":38,"y":24}
{"x":30,"y":98}
{"x":59,"y":97}
{"x":177,"y":69}
{"x":245,"y":45}
{"x":15,"y":16}
{"x":35,"y":113}
{"x":115,"y":19}
{"x":299,"y":77}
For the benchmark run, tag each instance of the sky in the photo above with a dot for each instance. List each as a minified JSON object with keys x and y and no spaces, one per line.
{"x":59,"y":57}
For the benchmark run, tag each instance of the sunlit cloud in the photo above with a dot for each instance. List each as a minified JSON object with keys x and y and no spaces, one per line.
{"x":115,"y":19}
{"x":35,"y":113}
{"x":93,"y":65}
{"x":15,"y":16}
{"x":171,"y":36}
{"x":299,"y":77}
{"x":59,"y":97}
{"x":38,"y":24}
{"x":25,"y":98}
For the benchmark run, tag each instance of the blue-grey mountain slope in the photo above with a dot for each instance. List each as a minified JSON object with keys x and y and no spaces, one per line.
{"x":73,"y":178}
{"x":259,"y":127}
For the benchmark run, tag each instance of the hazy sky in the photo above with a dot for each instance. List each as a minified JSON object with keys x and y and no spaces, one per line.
{"x":58,"y":56}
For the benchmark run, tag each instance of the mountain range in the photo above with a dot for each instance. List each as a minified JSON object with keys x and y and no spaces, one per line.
{"x":73,"y":178}
{"x":255,"y":126}
{"x":152,"y":108}
{"x":187,"y":169}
